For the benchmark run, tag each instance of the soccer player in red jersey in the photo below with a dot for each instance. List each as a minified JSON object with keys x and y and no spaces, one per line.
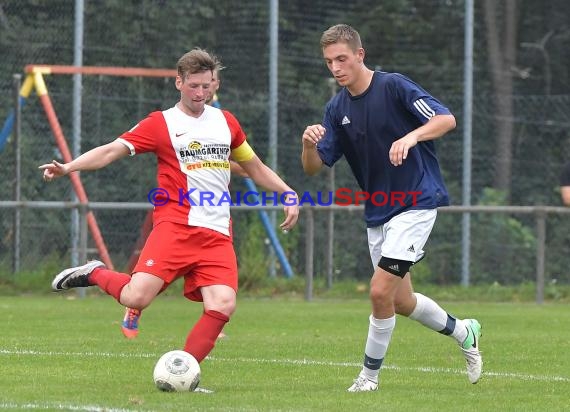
{"x":191,"y":236}
{"x":131,"y":318}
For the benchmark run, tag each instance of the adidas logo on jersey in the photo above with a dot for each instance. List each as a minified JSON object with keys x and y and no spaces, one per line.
{"x":411,"y":249}
{"x":345,"y":120}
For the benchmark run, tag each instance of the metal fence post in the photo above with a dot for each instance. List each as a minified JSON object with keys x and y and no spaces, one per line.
{"x":540,"y":251}
{"x":309,"y":250}
{"x":17,"y":82}
{"x":330,"y":234}
{"x":83,"y":208}
{"x":330,"y":214}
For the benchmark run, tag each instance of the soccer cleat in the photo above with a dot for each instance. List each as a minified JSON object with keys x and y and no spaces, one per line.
{"x":363,"y":384}
{"x":77,"y":277}
{"x":470,"y":349}
{"x":130,"y":324}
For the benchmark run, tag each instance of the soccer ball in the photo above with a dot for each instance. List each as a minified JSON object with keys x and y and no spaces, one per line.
{"x":176,"y":371}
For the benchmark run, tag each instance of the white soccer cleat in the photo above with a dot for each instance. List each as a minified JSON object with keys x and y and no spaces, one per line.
{"x":77,"y":277}
{"x":363,"y":384}
{"x":470,"y":349}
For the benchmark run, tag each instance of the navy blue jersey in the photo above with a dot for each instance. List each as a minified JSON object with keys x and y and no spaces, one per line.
{"x":363,"y":128}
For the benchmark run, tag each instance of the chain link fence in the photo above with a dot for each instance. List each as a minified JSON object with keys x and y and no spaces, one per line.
{"x":422,"y":39}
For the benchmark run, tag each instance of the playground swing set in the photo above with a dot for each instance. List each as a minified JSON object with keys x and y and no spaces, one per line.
{"x":35,"y":80}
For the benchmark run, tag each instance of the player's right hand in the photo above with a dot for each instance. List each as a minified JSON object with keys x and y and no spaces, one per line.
{"x":53,"y":170}
{"x":291,"y":210}
{"x":313,"y":134}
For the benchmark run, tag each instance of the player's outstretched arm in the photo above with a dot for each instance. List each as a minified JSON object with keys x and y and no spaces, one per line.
{"x":94,"y":159}
{"x":310,"y":158}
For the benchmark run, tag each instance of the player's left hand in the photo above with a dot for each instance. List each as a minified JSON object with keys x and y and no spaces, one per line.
{"x":291,"y":210}
{"x":400,"y":148}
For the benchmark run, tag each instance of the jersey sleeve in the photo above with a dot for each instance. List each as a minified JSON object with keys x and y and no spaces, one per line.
{"x":237,"y":133}
{"x":243,"y":152}
{"x":143,"y":137}
{"x":328,"y":147}
{"x":416,"y":100}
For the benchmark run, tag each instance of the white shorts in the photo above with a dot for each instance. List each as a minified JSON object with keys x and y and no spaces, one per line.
{"x":402,"y":237}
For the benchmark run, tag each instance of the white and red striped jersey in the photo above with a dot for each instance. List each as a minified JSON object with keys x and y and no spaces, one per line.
{"x":193,"y":164}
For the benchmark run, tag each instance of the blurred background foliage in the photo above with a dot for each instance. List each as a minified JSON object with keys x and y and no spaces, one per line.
{"x":521,"y":117}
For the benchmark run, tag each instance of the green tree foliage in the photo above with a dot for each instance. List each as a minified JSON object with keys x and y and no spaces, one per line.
{"x":421,"y":39}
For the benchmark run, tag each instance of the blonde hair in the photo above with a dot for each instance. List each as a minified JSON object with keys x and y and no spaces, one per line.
{"x":341,"y":33}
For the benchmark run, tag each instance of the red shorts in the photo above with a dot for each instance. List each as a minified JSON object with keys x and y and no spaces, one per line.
{"x":203,"y":256}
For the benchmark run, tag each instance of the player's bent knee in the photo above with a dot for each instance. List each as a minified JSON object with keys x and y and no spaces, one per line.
{"x":404,"y":307}
{"x":227,"y":307}
{"x":379,"y":294}
{"x":136,"y":299}
{"x":395,"y":266}
{"x":220,"y":298}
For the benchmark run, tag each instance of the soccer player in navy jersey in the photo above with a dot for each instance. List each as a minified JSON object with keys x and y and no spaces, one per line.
{"x":384,"y":125}
{"x":214,"y":101}
{"x":213,"y":98}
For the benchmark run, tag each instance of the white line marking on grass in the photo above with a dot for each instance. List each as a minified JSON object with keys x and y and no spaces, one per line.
{"x":543,"y":378}
{"x":96,"y":354}
{"x":521,"y":376}
{"x":63,"y":407}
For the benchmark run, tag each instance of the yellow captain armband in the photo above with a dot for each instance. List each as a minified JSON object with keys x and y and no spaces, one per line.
{"x":243,"y":153}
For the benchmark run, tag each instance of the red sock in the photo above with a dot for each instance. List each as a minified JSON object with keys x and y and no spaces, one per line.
{"x":202,"y":337}
{"x":110,"y":282}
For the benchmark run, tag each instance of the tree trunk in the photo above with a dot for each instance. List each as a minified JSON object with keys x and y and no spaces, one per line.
{"x":501,"y":46}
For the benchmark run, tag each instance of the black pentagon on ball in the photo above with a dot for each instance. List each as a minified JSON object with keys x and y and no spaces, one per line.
{"x":165,"y":386}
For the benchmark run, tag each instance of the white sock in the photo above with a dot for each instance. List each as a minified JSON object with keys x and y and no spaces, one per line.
{"x":431,"y":315}
{"x":379,"y":335}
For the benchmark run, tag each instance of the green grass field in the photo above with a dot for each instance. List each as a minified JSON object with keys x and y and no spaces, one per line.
{"x":63,"y":353}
